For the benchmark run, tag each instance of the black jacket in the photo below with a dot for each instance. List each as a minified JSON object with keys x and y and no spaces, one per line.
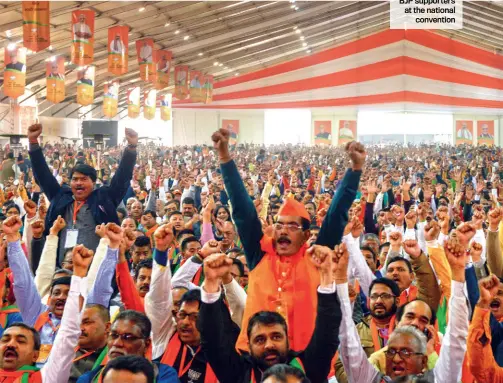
{"x":231,"y":367}
{"x":102,"y":202}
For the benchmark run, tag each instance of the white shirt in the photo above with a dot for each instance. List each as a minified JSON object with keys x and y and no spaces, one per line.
{"x":117,"y":47}
{"x":81,"y":28}
{"x":146,"y":53}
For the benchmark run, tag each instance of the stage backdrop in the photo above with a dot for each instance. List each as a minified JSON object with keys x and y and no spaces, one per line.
{"x":464,"y":132}
{"x":322,"y":132}
{"x":233,"y":127}
{"x":347,"y":131}
{"x":485,"y":133}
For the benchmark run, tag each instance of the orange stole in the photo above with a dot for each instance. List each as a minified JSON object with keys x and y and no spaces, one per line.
{"x":17,"y":376}
{"x":175,"y":346}
{"x":298,"y":293}
{"x":404,"y":298}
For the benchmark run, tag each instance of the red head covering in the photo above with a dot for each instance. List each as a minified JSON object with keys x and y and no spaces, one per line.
{"x":293,"y":208}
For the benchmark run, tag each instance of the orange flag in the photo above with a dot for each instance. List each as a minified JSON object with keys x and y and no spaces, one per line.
{"x":14,"y":75}
{"x":166,"y":107}
{"x":133,"y":102}
{"x":82,"y":37}
{"x":36,"y":27}
{"x":145,"y":53}
{"x":118,"y":49}
{"x":55,"y":79}
{"x":149,"y":104}
{"x":85,"y":85}
{"x":181,"y":82}
{"x":163,"y":66}
{"x":197,"y":92}
{"x":110,"y":98}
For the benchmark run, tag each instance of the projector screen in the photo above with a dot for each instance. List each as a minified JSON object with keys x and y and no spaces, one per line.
{"x":370,"y":122}
{"x":287,"y":126}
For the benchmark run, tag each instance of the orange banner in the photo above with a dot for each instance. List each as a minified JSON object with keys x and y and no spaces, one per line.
{"x":85,"y":85}
{"x":133,"y":102}
{"x":55,"y":79}
{"x":14,"y":75}
{"x":323,"y":132}
{"x":110,"y":98}
{"x":347,"y":131}
{"x":485,"y":133}
{"x":464,"y":132}
{"x":149,"y":104}
{"x":82,"y":37}
{"x":163,"y":65}
{"x":166,"y":107}
{"x":145,"y":52}
{"x":197,"y":92}
{"x":118,"y":49}
{"x":233,"y":127}
{"x":181,"y":82}
{"x":208,"y":86}
{"x":36,"y":27}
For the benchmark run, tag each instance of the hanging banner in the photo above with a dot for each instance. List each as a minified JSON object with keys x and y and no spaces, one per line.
{"x":36,"y":27}
{"x":181,"y":82}
{"x":163,"y":65}
{"x":110,"y":98}
{"x":323,"y":132}
{"x":55,"y":80}
{"x":85,"y":85}
{"x":82,"y":37}
{"x":145,"y":51}
{"x":133,"y":102}
{"x":208,"y":87}
{"x":166,"y":107}
{"x":464,"y":132}
{"x":149,"y":104}
{"x":233,"y":127}
{"x":197,"y":93}
{"x":118,"y":49}
{"x":485,"y":133}
{"x":14,"y":76}
{"x":347,"y":131}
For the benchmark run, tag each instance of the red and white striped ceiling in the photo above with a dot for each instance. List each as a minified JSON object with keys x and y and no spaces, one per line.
{"x":393,"y":66}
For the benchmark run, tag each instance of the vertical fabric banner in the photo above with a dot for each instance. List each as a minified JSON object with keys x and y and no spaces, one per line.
{"x":196,"y":86}
{"x":163,"y":65}
{"x":55,"y":80}
{"x":149,"y":104}
{"x":85,"y":85}
{"x":347,"y":131}
{"x":181,"y":82}
{"x":36,"y":27}
{"x":485,"y":133}
{"x":118,"y":49}
{"x":133,"y":102}
{"x":323,"y":132}
{"x":110,"y":98}
{"x":233,"y":127}
{"x":166,"y":107}
{"x":145,"y":52}
{"x":82,"y":37}
{"x":464,"y":132}
{"x":208,"y":87}
{"x":14,"y":76}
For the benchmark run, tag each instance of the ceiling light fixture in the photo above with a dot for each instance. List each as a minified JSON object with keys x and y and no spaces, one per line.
{"x":302,"y":37}
{"x":11,"y":46}
{"x":177,"y":32}
{"x":298,"y":31}
{"x":292,"y":6}
{"x":220,"y":64}
{"x":308,"y":51}
{"x":296,"y":8}
{"x":294,"y":28}
{"x":166,"y":25}
{"x":141,"y":9}
{"x":215,"y":63}
{"x":200,"y":54}
{"x":226,"y":67}
{"x":186,"y":37}
{"x":236,"y":74}
{"x":304,"y":44}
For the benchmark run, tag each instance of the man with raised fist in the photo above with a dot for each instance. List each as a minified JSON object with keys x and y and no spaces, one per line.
{"x":82,"y":205}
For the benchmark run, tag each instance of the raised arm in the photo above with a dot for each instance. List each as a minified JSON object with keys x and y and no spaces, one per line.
{"x":337,"y":217}
{"x":41,"y":171}
{"x":27,"y":296}
{"x":129,"y":294}
{"x":244,"y":213}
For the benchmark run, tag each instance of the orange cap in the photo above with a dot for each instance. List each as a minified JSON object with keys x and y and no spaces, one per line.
{"x":293,"y":208}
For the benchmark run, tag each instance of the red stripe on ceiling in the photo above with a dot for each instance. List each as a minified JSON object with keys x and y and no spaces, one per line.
{"x":455,"y":48}
{"x":348,"y":49}
{"x":383,"y":69}
{"x":395,"y":97}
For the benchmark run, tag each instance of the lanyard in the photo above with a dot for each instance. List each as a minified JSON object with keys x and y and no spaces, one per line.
{"x":85,"y":355}
{"x":375,"y":333}
{"x":182,"y":362}
{"x":54,"y":329}
{"x":76,"y":208}
{"x":98,"y":361}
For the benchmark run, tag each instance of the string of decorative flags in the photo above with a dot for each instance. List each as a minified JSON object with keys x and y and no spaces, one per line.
{"x":154,"y":66}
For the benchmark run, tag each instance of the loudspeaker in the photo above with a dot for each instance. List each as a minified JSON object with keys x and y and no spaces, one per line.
{"x":108,"y":130}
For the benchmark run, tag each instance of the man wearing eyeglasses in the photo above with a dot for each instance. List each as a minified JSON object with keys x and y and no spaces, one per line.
{"x":281,"y":278}
{"x":406,"y":348}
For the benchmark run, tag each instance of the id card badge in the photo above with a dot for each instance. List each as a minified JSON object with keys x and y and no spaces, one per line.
{"x":45,"y":350}
{"x":71,"y":238}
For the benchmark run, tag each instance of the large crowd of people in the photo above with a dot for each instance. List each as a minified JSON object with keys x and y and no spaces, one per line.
{"x":248,"y":264}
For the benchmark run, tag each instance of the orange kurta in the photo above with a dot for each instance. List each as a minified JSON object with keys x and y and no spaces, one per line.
{"x":286,"y":284}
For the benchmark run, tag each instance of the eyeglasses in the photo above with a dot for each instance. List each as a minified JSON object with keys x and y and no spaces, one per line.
{"x":124,"y":337}
{"x":383,"y":296}
{"x":404,"y":353}
{"x":289,"y":226}
{"x":182,"y":315}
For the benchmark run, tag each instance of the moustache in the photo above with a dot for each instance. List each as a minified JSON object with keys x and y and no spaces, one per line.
{"x":284,"y":239}
{"x":10,"y":350}
{"x":270,"y":353}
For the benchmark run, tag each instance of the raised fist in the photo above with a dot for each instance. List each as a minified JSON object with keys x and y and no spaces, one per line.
{"x":488,"y":288}
{"x":114,"y":234}
{"x":221,"y":142}
{"x":58,"y":225}
{"x":38,"y":228}
{"x":431,"y":230}
{"x":11,"y":227}
{"x":340,"y":263}
{"x":163,"y":237}
{"x":34,"y":131}
{"x":465,"y":232}
{"x":412,"y":248}
{"x":31,"y":208}
{"x":322,"y":257}
{"x":357,"y":154}
{"x":131,"y":136}
{"x":209,"y":248}
{"x":82,"y":258}
{"x":216,"y":266}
